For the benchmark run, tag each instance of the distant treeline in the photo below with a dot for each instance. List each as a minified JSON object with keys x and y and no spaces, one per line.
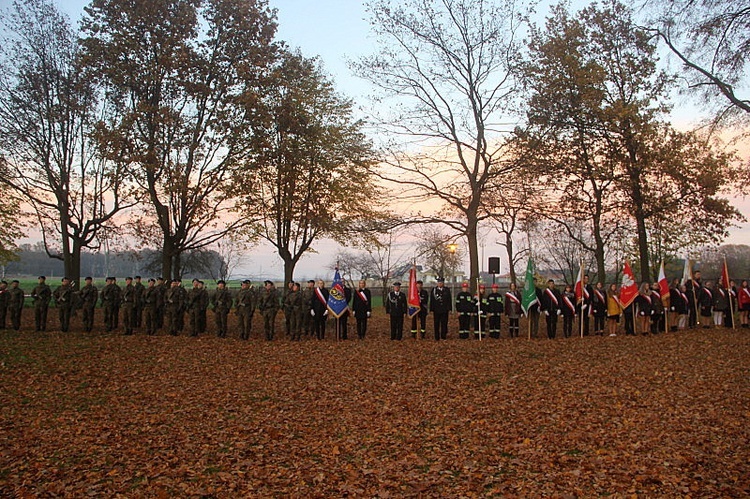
{"x":34,"y":261}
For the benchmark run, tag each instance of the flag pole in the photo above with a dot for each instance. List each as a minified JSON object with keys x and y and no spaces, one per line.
{"x":479,"y":311}
{"x":580,"y":317}
{"x":729,"y":292}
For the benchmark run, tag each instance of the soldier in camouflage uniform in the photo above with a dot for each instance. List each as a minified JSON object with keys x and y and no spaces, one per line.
{"x":293,"y":303}
{"x":41,"y":296}
{"x":161,"y":290}
{"x":4,"y":298}
{"x":203,"y":303}
{"x":16,"y":299}
{"x":129,"y":304}
{"x":111,"y":297}
{"x":245,"y":305}
{"x":88,"y":295}
{"x":64,"y":303}
{"x":174,"y":307}
{"x":222,"y":302}
{"x":139,"y":290}
{"x":307,"y":297}
{"x":268,"y":304}
{"x":193,"y":307}
{"x":150,"y":301}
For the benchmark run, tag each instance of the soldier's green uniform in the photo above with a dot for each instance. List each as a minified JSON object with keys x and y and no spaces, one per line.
{"x":41,"y":296}
{"x":193,"y":307}
{"x":174,"y":307}
{"x":16,"y":298}
{"x":293,"y":307}
{"x":307,"y":297}
{"x":245,"y":305}
{"x":139,"y":290}
{"x":4,"y":298}
{"x":268,"y":305}
{"x":111,"y":296}
{"x":89,"y":294}
{"x":161,"y":290}
{"x":150,"y":300}
{"x":203,"y":303}
{"x":129,"y":304}
{"x":222,"y":302}
{"x":64,"y":303}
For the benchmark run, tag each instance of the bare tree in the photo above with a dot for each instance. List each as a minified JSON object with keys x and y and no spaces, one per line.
{"x":449,"y":69}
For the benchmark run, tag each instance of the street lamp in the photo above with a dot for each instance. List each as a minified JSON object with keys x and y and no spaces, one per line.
{"x":452,"y":247}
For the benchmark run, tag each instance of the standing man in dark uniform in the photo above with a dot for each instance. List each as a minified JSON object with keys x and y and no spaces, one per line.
{"x":222,"y":302}
{"x":41,"y":296}
{"x":203,"y":302}
{"x":424,"y":301}
{"x":287,"y":309}
{"x":480,"y":312}
{"x":319,"y":310}
{"x":513,"y":310}
{"x":161,"y":291}
{"x":245,"y":305}
{"x":174,"y":307}
{"x":494,"y":311}
{"x":396,"y":308}
{"x":465,"y":308}
{"x":268,"y":305}
{"x":193,"y":308}
{"x":150,"y":300}
{"x":550,"y":307}
{"x":89,"y":295}
{"x":694,"y":288}
{"x":308,"y":294}
{"x":16,"y":298}
{"x":129,"y":301}
{"x":4,"y":298}
{"x":362,"y":308}
{"x":441,"y":305}
{"x":64,"y":303}
{"x":294,"y":302}
{"x":343,"y":319}
{"x":599,"y":307}
{"x":583,"y":308}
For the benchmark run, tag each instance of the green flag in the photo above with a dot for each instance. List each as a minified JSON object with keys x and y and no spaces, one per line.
{"x":529,"y":290}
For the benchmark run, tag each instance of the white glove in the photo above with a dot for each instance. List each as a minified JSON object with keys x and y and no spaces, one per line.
{"x":312,"y":312}
{"x":546,"y":312}
{"x":354,"y":314}
{"x":559,"y":311}
{"x":368,"y":314}
{"x":325,"y":313}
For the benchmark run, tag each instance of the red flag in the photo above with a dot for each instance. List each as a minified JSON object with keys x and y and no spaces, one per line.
{"x":725,"y":276}
{"x":413,"y":299}
{"x":579,"y":284}
{"x":663,"y":283}
{"x":628,"y":286}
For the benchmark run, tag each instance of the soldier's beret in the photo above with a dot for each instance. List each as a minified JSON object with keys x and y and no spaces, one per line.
{"x":152,"y":280}
{"x":312,"y":281}
{"x":246,"y":281}
{"x":220,"y":281}
{"x":128,"y":278}
{"x":137,"y":277}
{"x":268,"y":282}
{"x":89,"y":278}
{"x":14,"y":280}
{"x":42,"y":278}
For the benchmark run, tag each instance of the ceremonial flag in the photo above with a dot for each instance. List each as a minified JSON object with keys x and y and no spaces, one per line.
{"x":725,"y":276}
{"x":413,"y":298}
{"x":337,"y":303}
{"x":628,"y":286}
{"x":529,"y":290}
{"x":687,"y":272}
{"x":663,"y":283}
{"x":579,"y":285}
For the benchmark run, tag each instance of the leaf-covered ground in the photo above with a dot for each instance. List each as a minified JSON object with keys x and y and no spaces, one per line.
{"x":162,"y":416}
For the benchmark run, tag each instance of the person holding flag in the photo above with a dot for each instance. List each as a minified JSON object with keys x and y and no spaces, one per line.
{"x":599,"y":308}
{"x":420,"y":297}
{"x":658,"y":323}
{"x":628,"y":294}
{"x":583,"y":299}
{"x":614,"y":310}
{"x":550,"y":306}
{"x":465,"y":308}
{"x":396,"y":308}
{"x":706,"y":303}
{"x":362,"y":308}
{"x":338,"y":304}
{"x":319,"y":310}
{"x":480,"y":312}
{"x":569,"y":311}
{"x":720,"y":304}
{"x":727,"y":285}
{"x":530,"y":299}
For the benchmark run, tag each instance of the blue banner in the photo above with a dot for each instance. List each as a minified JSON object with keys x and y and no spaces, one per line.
{"x":337,"y":303}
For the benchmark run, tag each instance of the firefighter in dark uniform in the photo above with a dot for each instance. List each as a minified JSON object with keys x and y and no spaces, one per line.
{"x":396,"y":308}
{"x":494,"y":311}
{"x":64,"y":302}
{"x":41,"y":296}
{"x":441,"y":305}
{"x":550,"y":306}
{"x":421,"y":316}
{"x":222,"y":302}
{"x":89,"y":295}
{"x":480,"y":312}
{"x":464,"y":309}
{"x":362,"y":308}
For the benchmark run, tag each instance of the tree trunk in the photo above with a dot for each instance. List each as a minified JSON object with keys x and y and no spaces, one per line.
{"x":471,"y":237}
{"x":509,"y":250}
{"x":166,"y":258}
{"x":643,"y":247}
{"x":73,"y":264}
